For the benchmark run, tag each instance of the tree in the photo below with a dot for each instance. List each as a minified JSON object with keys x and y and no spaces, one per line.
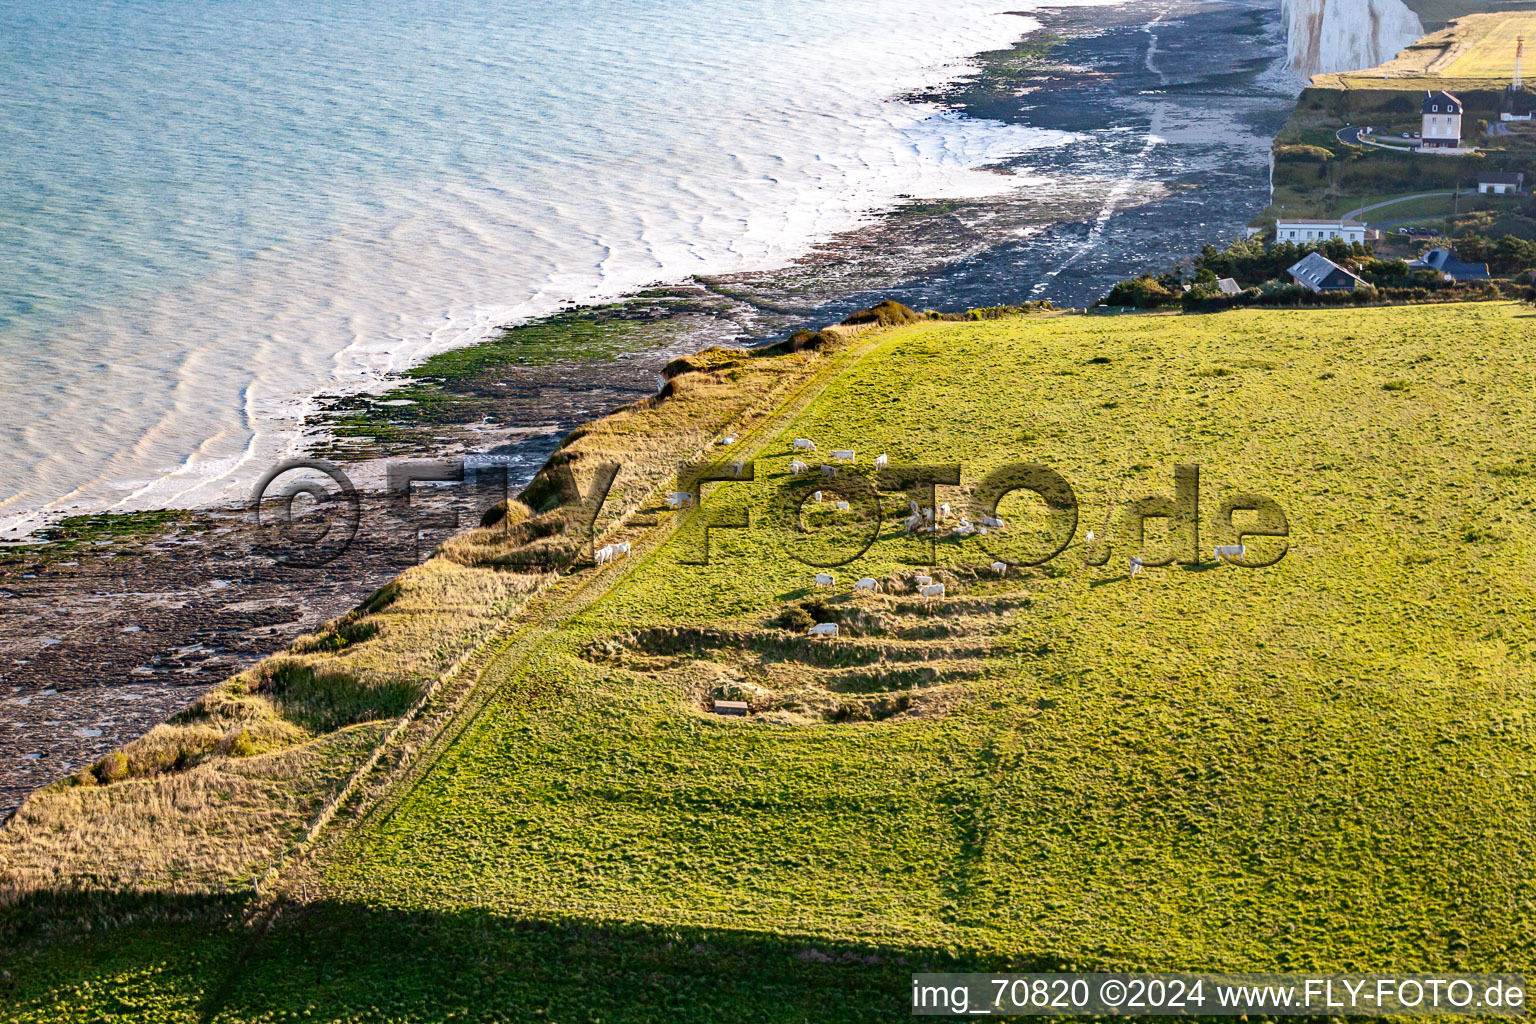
{"x":1144,"y":292}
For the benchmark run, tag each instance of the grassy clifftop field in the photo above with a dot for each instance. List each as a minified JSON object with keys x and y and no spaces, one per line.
{"x":1322,"y":763}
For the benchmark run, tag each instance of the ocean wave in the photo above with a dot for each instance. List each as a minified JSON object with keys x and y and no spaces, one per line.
{"x":383,"y":226}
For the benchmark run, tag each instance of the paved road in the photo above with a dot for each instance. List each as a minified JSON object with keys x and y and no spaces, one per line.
{"x":1351,"y":137}
{"x":1355,"y":214}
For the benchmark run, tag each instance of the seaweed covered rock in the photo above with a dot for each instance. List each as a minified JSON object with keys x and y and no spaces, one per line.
{"x":889,"y":313}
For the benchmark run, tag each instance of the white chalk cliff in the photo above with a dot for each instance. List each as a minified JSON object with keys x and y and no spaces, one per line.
{"x":1324,"y":36}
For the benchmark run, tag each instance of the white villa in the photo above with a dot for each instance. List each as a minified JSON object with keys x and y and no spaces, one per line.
{"x":1442,"y":121}
{"x":1303,"y":231}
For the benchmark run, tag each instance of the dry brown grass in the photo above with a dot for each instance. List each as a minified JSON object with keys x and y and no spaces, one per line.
{"x":209,"y":828}
{"x":207,"y":799}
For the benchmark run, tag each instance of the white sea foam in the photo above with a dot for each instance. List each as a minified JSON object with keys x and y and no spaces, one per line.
{"x":172,"y":332}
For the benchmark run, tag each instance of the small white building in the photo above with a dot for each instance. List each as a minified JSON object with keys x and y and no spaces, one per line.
{"x":1303,"y":231}
{"x":1499,"y":183}
{"x":1441,"y":127}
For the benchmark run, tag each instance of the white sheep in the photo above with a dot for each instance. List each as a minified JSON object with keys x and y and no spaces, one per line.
{"x":797,"y":467}
{"x":604,"y":555}
{"x":881,"y":461}
{"x":867,"y":585}
{"x":804,"y":444}
{"x":829,"y":471}
{"x":825,"y":581}
{"x":944,"y":512}
{"x":738,"y":468}
{"x":842,"y":455}
{"x":992,"y":521}
{"x":1091,"y":538}
{"x":621,"y":549}
{"x":822,"y":629}
{"x":1135,"y":565}
{"x":728,"y":440}
{"x":1227,"y":552}
{"x":677,"y":499}
{"x":912,"y":523}
{"x":841,"y":506}
{"x":816,"y":497}
{"x":1001,"y":568}
{"x":931,"y":591}
{"x":921,"y":581}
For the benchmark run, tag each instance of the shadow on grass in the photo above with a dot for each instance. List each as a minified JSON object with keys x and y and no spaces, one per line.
{"x":188,"y":959}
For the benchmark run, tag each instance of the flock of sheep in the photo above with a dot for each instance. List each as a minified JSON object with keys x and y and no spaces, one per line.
{"x":922,"y":520}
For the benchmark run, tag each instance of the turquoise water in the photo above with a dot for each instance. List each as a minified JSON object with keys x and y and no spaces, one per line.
{"x":211,"y":211}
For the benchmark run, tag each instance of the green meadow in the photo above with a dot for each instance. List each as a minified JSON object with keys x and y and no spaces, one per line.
{"x":1322,"y":763}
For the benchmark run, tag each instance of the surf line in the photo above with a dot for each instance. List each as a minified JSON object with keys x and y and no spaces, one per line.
{"x":1133,"y":173}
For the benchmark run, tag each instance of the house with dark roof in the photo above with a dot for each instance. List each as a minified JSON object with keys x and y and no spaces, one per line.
{"x":1441,"y":127}
{"x":1318,"y":273}
{"x":1445,"y":263}
{"x":1499,"y":183}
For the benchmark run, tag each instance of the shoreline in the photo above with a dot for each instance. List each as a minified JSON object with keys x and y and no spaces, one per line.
{"x":204,"y":607}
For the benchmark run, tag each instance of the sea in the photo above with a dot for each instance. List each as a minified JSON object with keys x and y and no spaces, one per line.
{"x":214,"y":211}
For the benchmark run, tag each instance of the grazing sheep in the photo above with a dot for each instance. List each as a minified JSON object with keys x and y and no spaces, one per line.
{"x":965,"y":529}
{"x":1091,"y":538}
{"x":829,"y":471}
{"x":816,"y":497}
{"x":804,"y":444}
{"x":931,"y":591}
{"x":944,"y":512}
{"x":825,"y":581}
{"x":1001,"y":568}
{"x":841,"y":506}
{"x":822,"y":629}
{"x":992,"y":521}
{"x":797,"y":467}
{"x":1227,"y":552}
{"x":677,"y":499}
{"x":867,"y":585}
{"x":881,"y":461}
{"x":912,"y":523}
{"x":604,"y":555}
{"x":738,"y":468}
{"x":842,"y":455}
{"x":1135,"y":566}
{"x":621,"y":549}
{"x":921,"y":581}
{"x":728,"y":440}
